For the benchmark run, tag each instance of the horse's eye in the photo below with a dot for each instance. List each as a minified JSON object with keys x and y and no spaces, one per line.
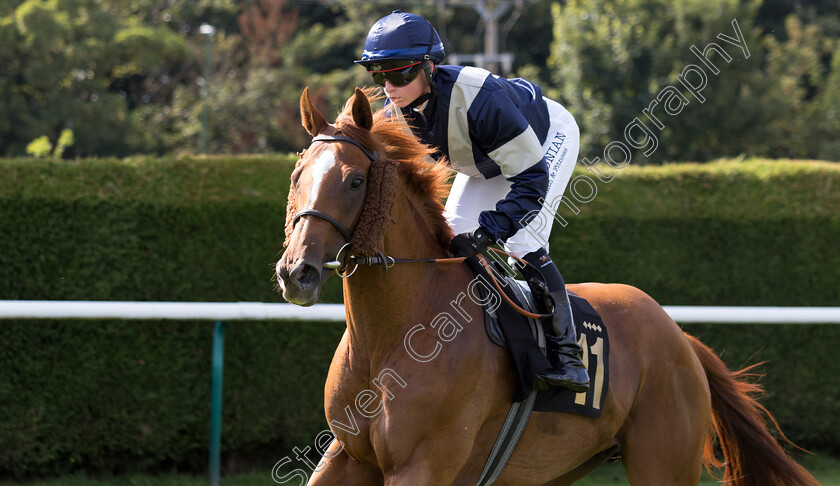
{"x":357,"y":183}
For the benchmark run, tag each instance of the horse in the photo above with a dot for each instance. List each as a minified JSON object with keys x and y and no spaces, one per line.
{"x":416,"y":392}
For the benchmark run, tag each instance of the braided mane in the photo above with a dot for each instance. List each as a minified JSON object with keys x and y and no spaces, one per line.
{"x":423,"y":178}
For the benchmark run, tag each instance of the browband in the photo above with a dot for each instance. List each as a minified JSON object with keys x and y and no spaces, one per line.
{"x":338,"y":138}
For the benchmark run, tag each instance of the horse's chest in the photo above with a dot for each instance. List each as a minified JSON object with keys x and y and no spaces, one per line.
{"x":350,"y":424}
{"x":356,"y":401}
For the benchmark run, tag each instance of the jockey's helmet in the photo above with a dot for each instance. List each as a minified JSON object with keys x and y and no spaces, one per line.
{"x":402,"y":36}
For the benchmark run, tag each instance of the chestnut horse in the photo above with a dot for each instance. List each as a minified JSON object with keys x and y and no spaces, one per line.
{"x":670,"y":407}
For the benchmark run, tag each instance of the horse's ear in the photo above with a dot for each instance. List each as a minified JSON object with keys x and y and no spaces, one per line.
{"x":362,"y":115}
{"x":311,"y":119}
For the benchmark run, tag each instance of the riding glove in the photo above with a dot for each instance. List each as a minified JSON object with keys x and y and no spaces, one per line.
{"x":469,"y":244}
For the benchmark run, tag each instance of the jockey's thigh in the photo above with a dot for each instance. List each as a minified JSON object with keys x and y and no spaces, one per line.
{"x":472,"y":195}
{"x":469,"y":196}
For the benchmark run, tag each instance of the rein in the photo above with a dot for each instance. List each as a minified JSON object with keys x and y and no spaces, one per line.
{"x":387,"y":262}
{"x":340,"y":265}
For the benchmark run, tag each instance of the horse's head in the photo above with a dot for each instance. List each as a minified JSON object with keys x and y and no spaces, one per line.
{"x":329,"y":189}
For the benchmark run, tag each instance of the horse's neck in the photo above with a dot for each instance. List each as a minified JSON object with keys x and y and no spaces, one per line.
{"x":383,"y":305}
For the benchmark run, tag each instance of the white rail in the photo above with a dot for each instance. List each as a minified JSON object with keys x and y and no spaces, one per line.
{"x":229,"y":311}
{"x":762,"y":315}
{"x":215,"y":311}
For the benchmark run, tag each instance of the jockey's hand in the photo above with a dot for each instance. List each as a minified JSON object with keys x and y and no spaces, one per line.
{"x":469,"y":244}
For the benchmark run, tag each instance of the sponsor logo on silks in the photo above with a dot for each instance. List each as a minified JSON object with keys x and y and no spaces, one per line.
{"x":551,"y":153}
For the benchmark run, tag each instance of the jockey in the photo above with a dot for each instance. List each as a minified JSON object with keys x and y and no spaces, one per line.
{"x":514,"y":152}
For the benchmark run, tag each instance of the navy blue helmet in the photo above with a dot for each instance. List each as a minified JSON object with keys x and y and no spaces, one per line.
{"x":402,"y":35}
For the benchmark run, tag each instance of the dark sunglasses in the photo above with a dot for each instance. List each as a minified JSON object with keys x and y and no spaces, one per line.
{"x":398,"y":76}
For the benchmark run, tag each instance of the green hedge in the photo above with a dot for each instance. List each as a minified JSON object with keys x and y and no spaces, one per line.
{"x":753,"y":232}
{"x":120,"y":395}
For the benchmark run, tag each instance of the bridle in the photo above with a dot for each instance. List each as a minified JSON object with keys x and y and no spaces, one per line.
{"x":320,"y":214}
{"x":340,"y":265}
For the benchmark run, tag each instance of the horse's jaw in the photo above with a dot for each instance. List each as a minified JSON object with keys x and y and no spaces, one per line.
{"x":299,"y":298}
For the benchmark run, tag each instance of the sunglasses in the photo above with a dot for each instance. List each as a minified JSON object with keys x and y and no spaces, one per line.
{"x":397,"y":76}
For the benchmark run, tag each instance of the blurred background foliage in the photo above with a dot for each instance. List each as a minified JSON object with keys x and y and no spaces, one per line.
{"x":126,"y":76}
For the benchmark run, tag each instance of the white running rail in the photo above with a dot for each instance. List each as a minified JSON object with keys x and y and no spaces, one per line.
{"x":230,"y":311}
{"x":215,"y":311}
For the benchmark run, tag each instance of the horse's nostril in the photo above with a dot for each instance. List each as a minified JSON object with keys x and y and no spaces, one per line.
{"x":306,"y":276}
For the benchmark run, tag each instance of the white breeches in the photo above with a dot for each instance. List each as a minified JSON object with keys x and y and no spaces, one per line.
{"x":472,"y":195}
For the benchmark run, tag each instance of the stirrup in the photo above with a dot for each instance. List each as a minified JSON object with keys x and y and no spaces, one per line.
{"x":564,"y":380}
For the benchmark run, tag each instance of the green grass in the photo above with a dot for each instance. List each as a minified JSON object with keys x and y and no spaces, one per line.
{"x":824,"y":467}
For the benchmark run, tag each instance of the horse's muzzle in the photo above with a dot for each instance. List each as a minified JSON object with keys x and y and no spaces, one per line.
{"x":300,"y":282}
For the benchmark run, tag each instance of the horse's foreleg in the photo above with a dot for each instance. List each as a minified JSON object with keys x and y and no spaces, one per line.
{"x":434,"y":462}
{"x":342,"y":470}
{"x":420,"y":474}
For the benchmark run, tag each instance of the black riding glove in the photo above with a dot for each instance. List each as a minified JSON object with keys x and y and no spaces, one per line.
{"x":469,"y":244}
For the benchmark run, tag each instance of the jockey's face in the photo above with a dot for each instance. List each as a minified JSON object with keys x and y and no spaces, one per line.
{"x":402,"y":96}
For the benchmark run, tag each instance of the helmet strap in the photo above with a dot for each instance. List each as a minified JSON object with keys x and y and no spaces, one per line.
{"x":427,"y":70}
{"x":419,"y":101}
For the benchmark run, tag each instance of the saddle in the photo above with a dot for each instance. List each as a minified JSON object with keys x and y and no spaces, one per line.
{"x":511,"y":330}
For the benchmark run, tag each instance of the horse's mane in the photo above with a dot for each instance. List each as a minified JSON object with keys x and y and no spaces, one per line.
{"x":419,"y":173}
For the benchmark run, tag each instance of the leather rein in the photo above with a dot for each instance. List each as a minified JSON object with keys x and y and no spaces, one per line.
{"x":340,"y":265}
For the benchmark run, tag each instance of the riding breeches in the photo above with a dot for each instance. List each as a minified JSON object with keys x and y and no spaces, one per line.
{"x":470,"y":196}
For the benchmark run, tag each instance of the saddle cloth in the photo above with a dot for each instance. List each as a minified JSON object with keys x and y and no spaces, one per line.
{"x":510,"y":329}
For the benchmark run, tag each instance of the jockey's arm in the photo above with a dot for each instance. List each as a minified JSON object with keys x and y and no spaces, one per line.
{"x":510,"y":141}
{"x":513,"y":213}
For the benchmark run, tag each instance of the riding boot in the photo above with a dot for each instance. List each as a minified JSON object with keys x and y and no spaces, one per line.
{"x":564,"y":352}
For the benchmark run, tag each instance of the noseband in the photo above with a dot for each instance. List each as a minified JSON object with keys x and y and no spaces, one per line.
{"x":326,"y":217}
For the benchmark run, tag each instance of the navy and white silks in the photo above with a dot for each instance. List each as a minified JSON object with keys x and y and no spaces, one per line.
{"x":514,"y":151}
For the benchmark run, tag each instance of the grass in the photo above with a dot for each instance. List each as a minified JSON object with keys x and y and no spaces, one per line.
{"x":824,"y":467}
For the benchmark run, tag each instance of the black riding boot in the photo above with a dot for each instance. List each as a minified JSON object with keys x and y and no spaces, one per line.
{"x":564,"y":352}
